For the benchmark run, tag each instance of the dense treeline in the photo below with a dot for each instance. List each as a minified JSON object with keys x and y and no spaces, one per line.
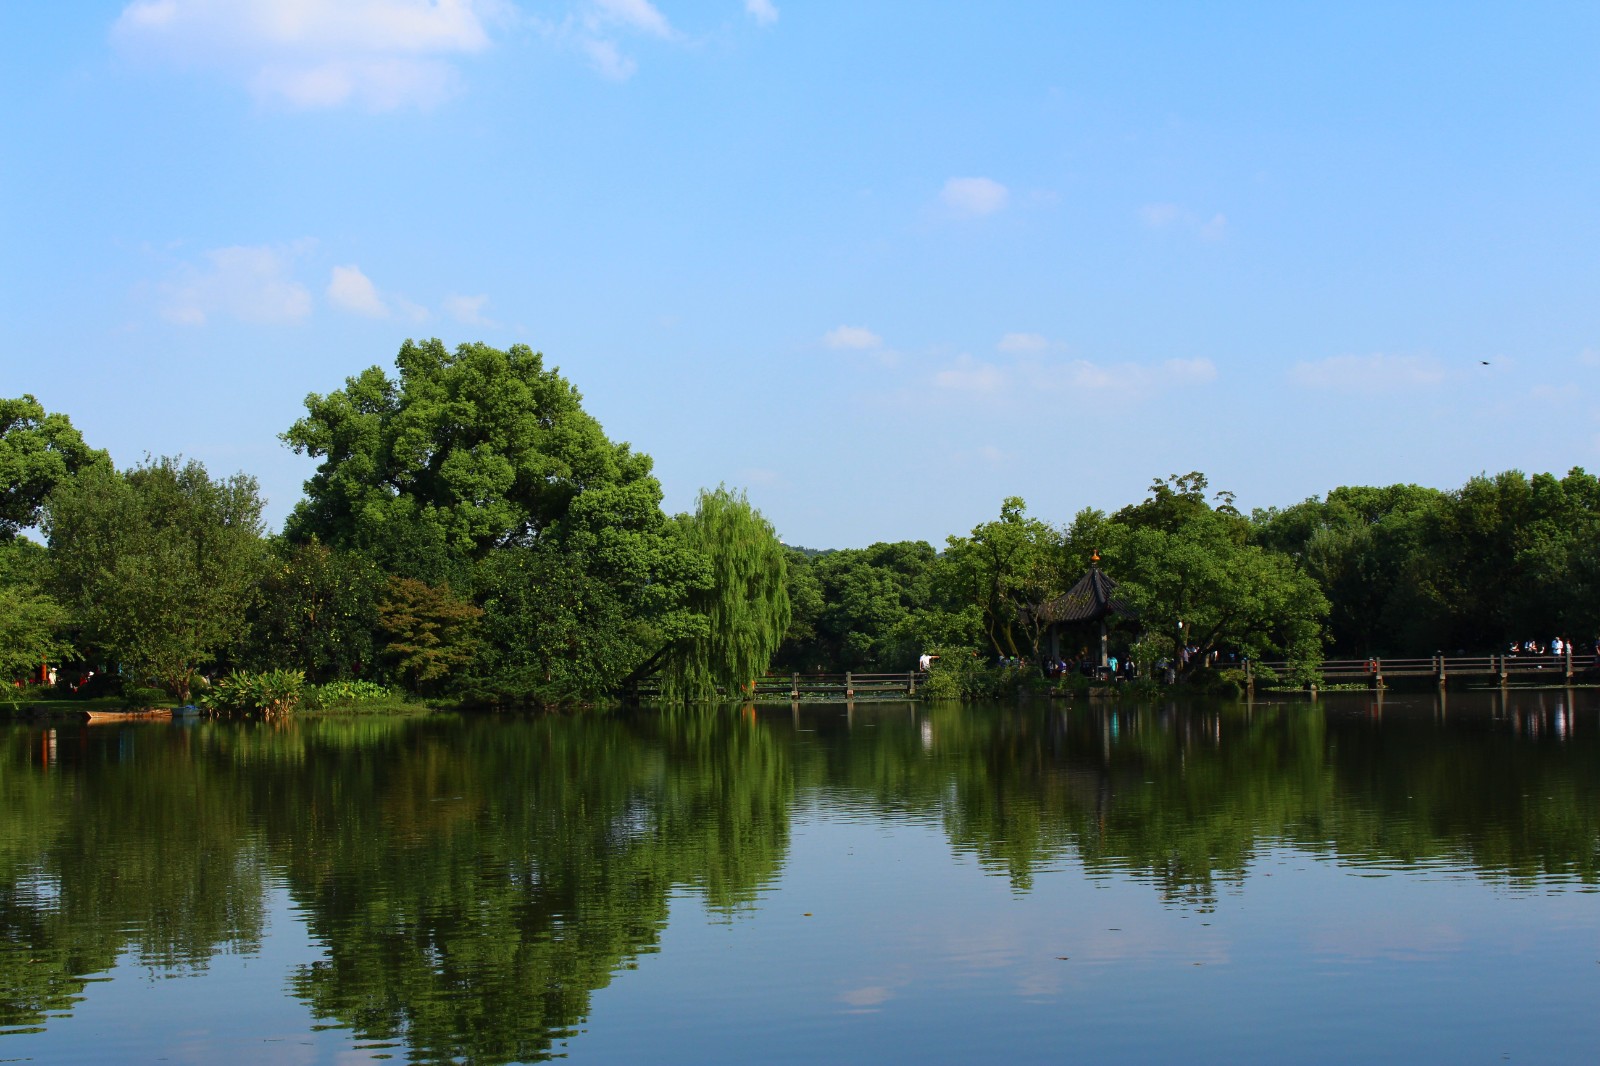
{"x":472,"y":533}
{"x":1398,"y":570}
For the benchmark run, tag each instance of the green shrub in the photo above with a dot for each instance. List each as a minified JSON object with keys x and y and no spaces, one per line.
{"x":270,"y":693}
{"x":347,"y":694}
{"x":961,"y":673}
{"x":1225,"y":683}
{"x":133,"y":696}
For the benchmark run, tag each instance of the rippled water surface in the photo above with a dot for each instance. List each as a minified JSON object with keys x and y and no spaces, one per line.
{"x":1348,"y":880}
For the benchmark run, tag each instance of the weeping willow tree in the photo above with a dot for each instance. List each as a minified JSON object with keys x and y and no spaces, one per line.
{"x":745,"y":605}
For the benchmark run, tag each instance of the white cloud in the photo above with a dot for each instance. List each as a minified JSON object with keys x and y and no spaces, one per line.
{"x":762,"y":11}
{"x":468,"y":309}
{"x":1378,"y":372}
{"x":1164,"y":216}
{"x":381,"y":54}
{"x":1023,"y":342}
{"x":1136,"y":377}
{"x":593,"y":30}
{"x":974,"y":196}
{"x":411,"y":311}
{"x":858,"y":338}
{"x":1589,"y":357}
{"x":1033,"y":378}
{"x":252,"y":284}
{"x":971,"y":376}
{"x":640,"y":16}
{"x":605,"y":57}
{"x":377,"y":85}
{"x":351,"y":290}
{"x":1159,"y":216}
{"x":1189,"y":371}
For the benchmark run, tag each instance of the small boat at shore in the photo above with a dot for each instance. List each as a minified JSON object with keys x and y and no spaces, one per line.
{"x":153,"y":714}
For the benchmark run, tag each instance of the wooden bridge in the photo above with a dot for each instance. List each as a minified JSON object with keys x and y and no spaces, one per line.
{"x":1551,"y":669}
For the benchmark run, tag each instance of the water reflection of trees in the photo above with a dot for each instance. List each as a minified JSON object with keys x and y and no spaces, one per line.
{"x":160,"y":863}
{"x":473,"y":882}
{"x":1189,"y":797}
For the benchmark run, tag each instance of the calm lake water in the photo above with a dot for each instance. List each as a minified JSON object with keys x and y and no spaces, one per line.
{"x":1344,"y":881}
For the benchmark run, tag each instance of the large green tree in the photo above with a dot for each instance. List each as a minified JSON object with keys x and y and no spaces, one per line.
{"x":159,"y":564}
{"x":1189,"y":569}
{"x":1007,"y":569}
{"x":479,"y":468}
{"x":466,"y":452}
{"x":38,"y":451}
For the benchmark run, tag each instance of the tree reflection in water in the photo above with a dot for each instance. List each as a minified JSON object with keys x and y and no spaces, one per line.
{"x":472,"y":882}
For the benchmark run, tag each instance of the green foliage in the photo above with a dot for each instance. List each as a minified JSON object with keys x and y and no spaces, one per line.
{"x":466,"y":452}
{"x":269,"y":693}
{"x":1190,"y":572}
{"x":1411,"y":570}
{"x":428,"y":632}
{"x":1007,"y":569}
{"x":317,"y":612}
{"x":478,"y":469}
{"x":38,"y":451}
{"x":344,"y":694}
{"x":861,"y":609}
{"x":138,"y":698}
{"x":32,"y":623}
{"x":963,"y":673}
{"x":158,"y":565}
{"x":745,"y":605}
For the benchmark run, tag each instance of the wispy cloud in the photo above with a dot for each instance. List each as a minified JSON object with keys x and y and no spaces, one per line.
{"x":351,"y":290}
{"x":1023,"y":342}
{"x":974,"y":197}
{"x":249,"y":283}
{"x":763,"y":11}
{"x":596,"y":29}
{"x":638,"y":16}
{"x":1034,"y":378}
{"x":468,"y":309}
{"x":1168,"y":216}
{"x":858,"y":338}
{"x":1377,"y":372}
{"x":377,"y":54}
{"x":969,"y":376}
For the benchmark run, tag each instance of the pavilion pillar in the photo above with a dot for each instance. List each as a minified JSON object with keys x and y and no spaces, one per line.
{"x":1104,"y":659}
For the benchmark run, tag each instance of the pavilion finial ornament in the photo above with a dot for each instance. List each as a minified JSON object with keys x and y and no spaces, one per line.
{"x":1094,"y":557}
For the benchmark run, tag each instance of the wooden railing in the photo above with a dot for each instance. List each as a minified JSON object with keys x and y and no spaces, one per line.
{"x":1557,"y":668}
{"x":846,"y":686}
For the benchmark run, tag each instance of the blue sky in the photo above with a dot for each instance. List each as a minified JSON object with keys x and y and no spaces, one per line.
{"x":883,"y":264}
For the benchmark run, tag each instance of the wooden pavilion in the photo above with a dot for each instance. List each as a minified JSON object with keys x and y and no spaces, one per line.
{"x":1092,"y":600}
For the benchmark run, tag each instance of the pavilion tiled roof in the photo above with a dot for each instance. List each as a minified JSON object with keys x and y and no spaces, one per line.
{"x":1094,"y":597}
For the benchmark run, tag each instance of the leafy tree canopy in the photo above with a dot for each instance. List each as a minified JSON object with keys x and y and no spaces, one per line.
{"x":38,"y":451}
{"x":466,"y":452}
{"x":159,"y":564}
{"x":1007,"y":568}
{"x":1188,"y":565}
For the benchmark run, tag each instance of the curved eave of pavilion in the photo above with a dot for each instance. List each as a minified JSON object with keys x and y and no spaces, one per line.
{"x":1093,"y":598}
